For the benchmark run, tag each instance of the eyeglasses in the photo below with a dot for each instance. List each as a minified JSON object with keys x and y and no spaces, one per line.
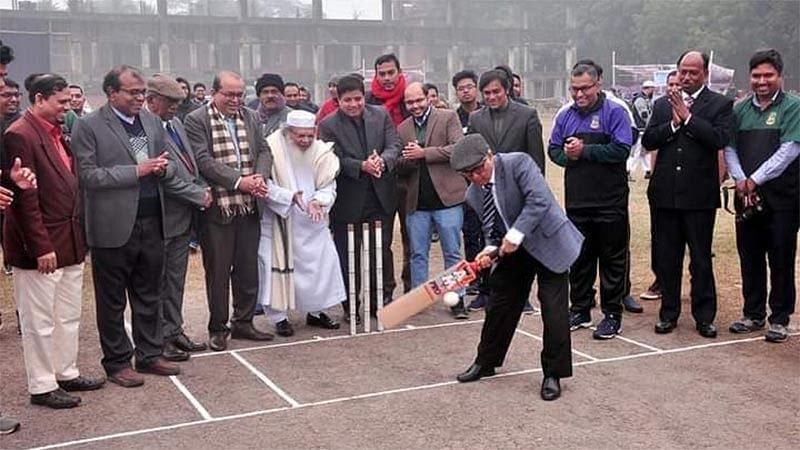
{"x":470,"y":172}
{"x":232,"y":95}
{"x":11,"y":94}
{"x":134,"y":92}
{"x":578,"y":89}
{"x":466,"y":87}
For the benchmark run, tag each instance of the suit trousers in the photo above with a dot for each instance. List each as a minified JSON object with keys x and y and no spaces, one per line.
{"x":175,"y":263}
{"x":770,"y":236}
{"x":49,"y":312}
{"x":340,"y":240}
{"x":405,"y":275}
{"x":509,"y":288}
{"x":473,"y":244}
{"x":607,"y":244}
{"x":133,"y":271}
{"x":230,"y":260}
{"x":674,"y":230}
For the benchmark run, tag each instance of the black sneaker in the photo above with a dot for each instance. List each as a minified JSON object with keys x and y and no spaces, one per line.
{"x":746,"y":325}
{"x":609,"y":327}
{"x":579,"y":320}
{"x":777,"y":333}
{"x":479,"y":303}
{"x":284,"y":328}
{"x":81,"y":383}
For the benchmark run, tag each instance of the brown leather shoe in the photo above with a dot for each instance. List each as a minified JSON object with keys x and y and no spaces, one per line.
{"x":126,"y":377}
{"x":249,"y":332}
{"x":159,"y":366}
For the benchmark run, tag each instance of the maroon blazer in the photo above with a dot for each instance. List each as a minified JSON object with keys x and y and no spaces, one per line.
{"x":46,"y":219}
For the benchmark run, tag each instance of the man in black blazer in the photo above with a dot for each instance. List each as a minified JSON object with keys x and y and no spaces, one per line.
{"x":366,"y":142}
{"x":507,"y":126}
{"x":689,"y":126}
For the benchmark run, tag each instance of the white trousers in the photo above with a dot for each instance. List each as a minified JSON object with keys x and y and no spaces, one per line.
{"x":50,"y":313}
{"x":638,"y":157}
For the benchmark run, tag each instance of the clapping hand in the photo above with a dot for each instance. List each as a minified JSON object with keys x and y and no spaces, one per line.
{"x":573,"y":148}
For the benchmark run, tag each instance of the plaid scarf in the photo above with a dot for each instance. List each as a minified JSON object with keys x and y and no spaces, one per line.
{"x":231,"y":203}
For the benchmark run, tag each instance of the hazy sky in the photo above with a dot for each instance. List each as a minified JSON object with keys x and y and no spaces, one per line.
{"x":333,"y":9}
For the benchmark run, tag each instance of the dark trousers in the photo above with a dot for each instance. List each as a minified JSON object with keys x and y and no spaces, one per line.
{"x":674,"y":230}
{"x":653,"y":244}
{"x":132,"y":271}
{"x":230,"y":260}
{"x":473,"y":243}
{"x":606,"y":244}
{"x":340,"y":240}
{"x":509,"y":287}
{"x":176,"y":261}
{"x":770,"y":236}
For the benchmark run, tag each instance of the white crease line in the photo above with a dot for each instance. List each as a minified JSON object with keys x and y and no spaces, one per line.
{"x":631,"y":341}
{"x":342,"y":399}
{"x":317,"y":339}
{"x":584,"y":355}
{"x":192,"y":399}
{"x":266,"y":381}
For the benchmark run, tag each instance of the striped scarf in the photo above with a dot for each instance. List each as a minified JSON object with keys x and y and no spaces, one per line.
{"x":231,"y":203}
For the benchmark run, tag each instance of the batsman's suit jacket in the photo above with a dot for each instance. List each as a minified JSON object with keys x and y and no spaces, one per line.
{"x":47,"y":219}
{"x":686,"y":175}
{"x":528,"y":206}
{"x":108,"y":175}
{"x":352,"y":184}
{"x":198,"y":129}
{"x":442,"y":131}
{"x":179,"y":214}
{"x":522,"y":131}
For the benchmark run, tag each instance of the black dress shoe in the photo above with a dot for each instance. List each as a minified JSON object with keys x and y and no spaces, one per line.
{"x":707,"y":330}
{"x":475,"y":373}
{"x":58,"y":399}
{"x":218,"y":341}
{"x":284,"y":328}
{"x":81,"y":384}
{"x":171,"y":352}
{"x":184,"y":343}
{"x":323,"y":321}
{"x":665,"y":326}
{"x":248,"y":332}
{"x":551,"y":388}
{"x":631,"y":305}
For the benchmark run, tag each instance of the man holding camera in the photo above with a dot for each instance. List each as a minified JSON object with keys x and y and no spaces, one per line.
{"x":762,"y":159}
{"x":688,"y":127}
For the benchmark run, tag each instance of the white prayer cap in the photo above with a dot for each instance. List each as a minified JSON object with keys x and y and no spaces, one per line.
{"x":648,"y":84}
{"x":301,"y":119}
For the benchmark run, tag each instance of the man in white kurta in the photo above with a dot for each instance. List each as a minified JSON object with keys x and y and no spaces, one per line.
{"x":298,"y":264}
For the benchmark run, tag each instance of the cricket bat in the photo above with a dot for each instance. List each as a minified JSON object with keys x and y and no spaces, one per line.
{"x":428,"y":293}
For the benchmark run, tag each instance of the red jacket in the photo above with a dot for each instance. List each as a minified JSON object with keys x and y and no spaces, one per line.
{"x":46,"y":219}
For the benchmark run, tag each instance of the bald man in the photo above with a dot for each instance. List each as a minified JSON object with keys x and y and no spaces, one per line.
{"x":435,"y":191}
{"x":688,"y":126}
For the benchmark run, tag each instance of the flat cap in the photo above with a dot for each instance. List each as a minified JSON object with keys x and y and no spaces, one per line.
{"x":468,"y":152}
{"x":165,"y":86}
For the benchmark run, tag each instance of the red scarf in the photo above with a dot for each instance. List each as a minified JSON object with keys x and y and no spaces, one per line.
{"x":392,"y":100}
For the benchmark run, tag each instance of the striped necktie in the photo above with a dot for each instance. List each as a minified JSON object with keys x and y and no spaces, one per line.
{"x":490,"y":216}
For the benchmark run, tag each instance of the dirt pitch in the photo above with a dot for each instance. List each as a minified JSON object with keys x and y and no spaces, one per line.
{"x":397,"y":389}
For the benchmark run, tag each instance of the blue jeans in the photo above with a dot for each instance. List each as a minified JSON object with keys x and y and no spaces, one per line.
{"x":448,"y":222}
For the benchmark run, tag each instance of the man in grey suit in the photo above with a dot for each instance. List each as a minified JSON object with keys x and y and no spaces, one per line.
{"x":124,"y":173}
{"x":366,"y":142}
{"x":532,"y":236}
{"x":508,"y":126}
{"x":163,"y":97}
{"x":233,"y":157}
